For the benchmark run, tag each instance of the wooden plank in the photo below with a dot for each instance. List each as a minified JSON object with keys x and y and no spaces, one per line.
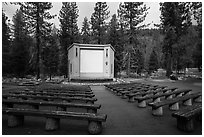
{"x":50,"y":103}
{"x":174,"y":100}
{"x":142,"y":93}
{"x":163,"y":94}
{"x":53,"y":94}
{"x":188,"y":112}
{"x":62,"y":91}
{"x":49,"y":97}
{"x":55,"y":114}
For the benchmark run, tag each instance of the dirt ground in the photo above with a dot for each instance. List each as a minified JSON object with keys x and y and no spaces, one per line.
{"x":124,"y":118}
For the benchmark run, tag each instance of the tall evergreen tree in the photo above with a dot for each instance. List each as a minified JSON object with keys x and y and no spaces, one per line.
{"x":197,"y":12}
{"x":175,"y":18}
{"x":114,"y":40}
{"x":37,"y":16}
{"x":51,"y":53}
{"x":98,"y":18}
{"x":85,"y":31}
{"x":69,"y":32}
{"x":113,"y":30}
{"x":20,"y":45}
{"x":6,"y":60}
{"x":153,"y":62}
{"x":132,"y":15}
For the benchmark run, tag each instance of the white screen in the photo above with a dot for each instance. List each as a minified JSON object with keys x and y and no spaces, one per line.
{"x":91,"y":61}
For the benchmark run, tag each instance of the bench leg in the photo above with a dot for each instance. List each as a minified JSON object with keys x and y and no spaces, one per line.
{"x":179,"y":95}
{"x":168,"y":91}
{"x":142,"y":104}
{"x":188,"y":102}
{"x":118,"y":94}
{"x":156,"y":100}
{"x":52,"y":123}
{"x":131,"y":99}
{"x":34,"y":106}
{"x":89,"y":102}
{"x":198,"y":99}
{"x":157,"y":93}
{"x":174,"y":106}
{"x":188,"y":93}
{"x":9,"y":105}
{"x":185,"y":125}
{"x":92,"y":111}
{"x":95,"y":127}
{"x":199,"y":118}
{"x":157,"y":111}
{"x":61,"y":108}
{"x":124,"y":96}
{"x":169,"y":97}
{"x":15,"y":120}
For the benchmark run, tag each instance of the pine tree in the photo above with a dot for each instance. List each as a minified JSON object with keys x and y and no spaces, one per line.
{"x":85,"y":31}
{"x":98,"y":18}
{"x":175,"y":18}
{"x":69,"y":32}
{"x":51,"y":53}
{"x":197,"y":12}
{"x":114,"y":40}
{"x":37,"y":17}
{"x":20,"y":45}
{"x":132,"y":14}
{"x":6,"y":60}
{"x":153,"y":62}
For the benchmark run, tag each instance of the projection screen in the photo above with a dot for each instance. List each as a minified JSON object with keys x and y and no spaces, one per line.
{"x":91,"y":61}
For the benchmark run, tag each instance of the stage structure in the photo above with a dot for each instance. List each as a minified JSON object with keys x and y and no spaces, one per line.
{"x":91,"y":62}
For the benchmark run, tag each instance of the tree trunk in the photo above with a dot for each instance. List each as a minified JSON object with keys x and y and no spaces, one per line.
{"x":128,"y":64}
{"x":38,"y":43}
{"x":50,"y":76}
{"x":68,"y":65}
{"x":169,"y":65}
{"x":42,"y":74}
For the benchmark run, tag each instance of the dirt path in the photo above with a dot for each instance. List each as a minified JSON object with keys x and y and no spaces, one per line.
{"x":126,"y":118}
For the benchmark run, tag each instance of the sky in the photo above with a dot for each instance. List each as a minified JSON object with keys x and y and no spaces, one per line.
{"x":87,"y":8}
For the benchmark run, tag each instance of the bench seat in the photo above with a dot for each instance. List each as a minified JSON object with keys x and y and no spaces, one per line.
{"x":53,"y":94}
{"x":16,"y":118}
{"x":156,"y":98}
{"x":125,"y":94}
{"x":131,"y":96}
{"x":69,"y":99}
{"x":185,"y":117}
{"x":60,"y":105}
{"x":63,"y":91}
{"x":173,"y":103}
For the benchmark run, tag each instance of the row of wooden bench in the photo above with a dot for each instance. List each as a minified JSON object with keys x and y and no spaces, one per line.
{"x":170,"y":96}
{"x":13,"y":106}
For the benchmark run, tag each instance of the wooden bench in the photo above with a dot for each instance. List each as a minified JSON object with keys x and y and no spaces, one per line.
{"x":91,"y":108}
{"x":156,"y":98}
{"x":119,"y":92}
{"x":61,"y":91}
{"x":16,"y":118}
{"x":173,"y":103}
{"x":69,"y":99}
{"x":124,"y":87}
{"x":132,"y":90}
{"x":53,"y":94}
{"x":31,"y":83}
{"x":185,"y":117}
{"x":163,"y":89}
{"x":131,"y":94}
